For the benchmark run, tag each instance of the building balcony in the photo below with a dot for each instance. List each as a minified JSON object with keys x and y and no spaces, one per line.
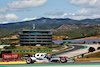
{"x":35,"y":42}
{"x":35,"y":39}
{"x":35,"y":33}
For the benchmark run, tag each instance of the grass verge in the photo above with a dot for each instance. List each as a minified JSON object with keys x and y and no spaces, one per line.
{"x":86,"y":59}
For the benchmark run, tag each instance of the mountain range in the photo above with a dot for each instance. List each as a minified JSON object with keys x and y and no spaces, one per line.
{"x":47,"y":23}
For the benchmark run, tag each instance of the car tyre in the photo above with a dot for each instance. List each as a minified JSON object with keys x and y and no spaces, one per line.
{"x":28,"y":60}
{"x":63,"y":60}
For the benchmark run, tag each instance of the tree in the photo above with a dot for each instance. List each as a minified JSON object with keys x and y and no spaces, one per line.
{"x":98,"y":48}
{"x":84,"y":42}
{"x":12,"y":46}
{"x":82,"y":55}
{"x":99,"y":42}
{"x":91,"y":49}
{"x":38,"y":48}
{"x":94,"y":42}
{"x":61,"y":44}
{"x":64,"y":39}
{"x":6,"y":47}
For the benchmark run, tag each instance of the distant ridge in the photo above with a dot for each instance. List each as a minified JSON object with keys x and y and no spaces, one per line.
{"x":55,"y":24}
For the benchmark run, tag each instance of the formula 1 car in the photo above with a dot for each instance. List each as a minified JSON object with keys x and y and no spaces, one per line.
{"x":44,"y":57}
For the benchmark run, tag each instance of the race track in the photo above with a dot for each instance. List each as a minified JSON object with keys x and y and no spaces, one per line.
{"x":76,"y":47}
{"x":53,"y":64}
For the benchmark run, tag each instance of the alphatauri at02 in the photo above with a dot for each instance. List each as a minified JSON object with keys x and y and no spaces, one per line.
{"x":44,"y":57}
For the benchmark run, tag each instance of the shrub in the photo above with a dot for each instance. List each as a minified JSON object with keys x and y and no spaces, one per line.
{"x":94,"y":42}
{"x":91,"y":49}
{"x":64,"y":39}
{"x":82,"y":55}
{"x":6,"y":47}
{"x":38,"y":48}
{"x":12,"y":46}
{"x":98,"y":48}
{"x":61,"y":44}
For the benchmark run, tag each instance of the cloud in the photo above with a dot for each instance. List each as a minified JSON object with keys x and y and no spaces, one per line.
{"x":86,"y":3}
{"x":88,"y":12}
{"x":2,"y":17}
{"x":5,"y":22}
{"x":93,"y":12}
{"x":26,"y":19}
{"x":80,"y":14}
{"x":8,"y":18}
{"x":83,"y":13}
{"x":54,"y":13}
{"x":61,"y":15}
{"x":22,"y":4}
{"x":11,"y":17}
{"x":3,"y":10}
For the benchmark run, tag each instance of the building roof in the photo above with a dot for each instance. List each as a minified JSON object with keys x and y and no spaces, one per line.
{"x":34,"y":30}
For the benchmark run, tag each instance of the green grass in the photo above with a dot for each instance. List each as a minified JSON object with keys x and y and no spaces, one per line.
{"x":36,"y":49}
{"x":86,"y":59}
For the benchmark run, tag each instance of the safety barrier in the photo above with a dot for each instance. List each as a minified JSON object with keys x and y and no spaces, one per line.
{"x":86,"y":53}
{"x":30,"y":50}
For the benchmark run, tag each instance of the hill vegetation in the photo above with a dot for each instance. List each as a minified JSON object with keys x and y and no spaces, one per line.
{"x":67,"y":27}
{"x":80,"y":33}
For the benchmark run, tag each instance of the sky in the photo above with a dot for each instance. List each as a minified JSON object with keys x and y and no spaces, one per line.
{"x":23,"y":10}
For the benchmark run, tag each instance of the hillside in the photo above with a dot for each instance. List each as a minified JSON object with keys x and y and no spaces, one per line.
{"x":55,"y":25}
{"x":92,"y":37}
{"x":80,"y":33}
{"x":66,"y":27}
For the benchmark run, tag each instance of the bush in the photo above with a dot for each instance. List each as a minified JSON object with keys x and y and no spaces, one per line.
{"x":99,"y":42}
{"x":98,"y":48}
{"x":6,"y":47}
{"x":91,"y":49}
{"x":38,"y":48}
{"x":61,"y":44}
{"x":94,"y":42}
{"x":12,"y":46}
{"x":82,"y":55}
{"x":64,"y":38}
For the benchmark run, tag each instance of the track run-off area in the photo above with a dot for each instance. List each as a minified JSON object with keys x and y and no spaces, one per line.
{"x":76,"y":64}
{"x":67,"y":52}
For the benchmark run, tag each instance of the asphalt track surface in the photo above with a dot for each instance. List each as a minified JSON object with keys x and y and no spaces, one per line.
{"x":76,"y":47}
{"x":54,"y":63}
